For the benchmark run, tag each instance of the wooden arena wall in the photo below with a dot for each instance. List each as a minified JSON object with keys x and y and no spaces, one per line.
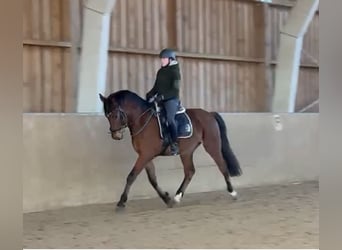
{"x":227,"y":50}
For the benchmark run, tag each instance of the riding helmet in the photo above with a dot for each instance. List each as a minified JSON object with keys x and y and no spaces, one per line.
{"x":168,"y":53}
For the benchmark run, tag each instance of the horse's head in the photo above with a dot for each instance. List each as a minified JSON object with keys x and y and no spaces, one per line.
{"x":117,"y":118}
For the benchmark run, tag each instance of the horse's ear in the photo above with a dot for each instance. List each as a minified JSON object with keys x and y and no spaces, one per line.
{"x":102,"y":98}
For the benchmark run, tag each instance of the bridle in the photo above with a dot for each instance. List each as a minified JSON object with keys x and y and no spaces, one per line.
{"x":124,"y":120}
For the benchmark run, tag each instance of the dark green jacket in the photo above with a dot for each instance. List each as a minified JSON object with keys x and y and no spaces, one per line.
{"x":167,"y":82}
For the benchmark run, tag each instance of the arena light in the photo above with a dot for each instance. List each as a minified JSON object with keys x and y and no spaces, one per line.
{"x":289,"y":3}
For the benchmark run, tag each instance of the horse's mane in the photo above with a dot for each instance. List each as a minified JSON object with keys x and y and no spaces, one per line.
{"x":124,"y":96}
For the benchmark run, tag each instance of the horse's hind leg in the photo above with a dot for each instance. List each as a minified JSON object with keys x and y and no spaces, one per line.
{"x":212,"y":146}
{"x":189,"y":171}
{"x":151,"y":174}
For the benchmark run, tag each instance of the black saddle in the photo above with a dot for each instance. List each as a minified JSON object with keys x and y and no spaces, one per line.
{"x":183,"y":123}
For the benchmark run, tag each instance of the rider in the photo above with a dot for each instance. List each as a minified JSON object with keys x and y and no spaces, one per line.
{"x":167,"y":85}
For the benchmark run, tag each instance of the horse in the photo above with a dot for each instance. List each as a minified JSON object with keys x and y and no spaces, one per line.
{"x":125,"y":108}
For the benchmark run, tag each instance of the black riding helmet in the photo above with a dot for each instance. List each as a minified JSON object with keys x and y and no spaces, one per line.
{"x":167,"y":53}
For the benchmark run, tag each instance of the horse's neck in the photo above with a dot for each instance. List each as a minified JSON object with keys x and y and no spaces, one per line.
{"x":135,"y":113}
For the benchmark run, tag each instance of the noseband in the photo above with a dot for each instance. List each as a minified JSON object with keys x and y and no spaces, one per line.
{"x":123,"y":119}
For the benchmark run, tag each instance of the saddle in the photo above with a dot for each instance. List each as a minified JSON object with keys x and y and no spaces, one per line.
{"x":183,"y":123}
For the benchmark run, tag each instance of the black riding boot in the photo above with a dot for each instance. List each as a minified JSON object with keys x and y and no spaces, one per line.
{"x":174,"y":144}
{"x":174,"y":148}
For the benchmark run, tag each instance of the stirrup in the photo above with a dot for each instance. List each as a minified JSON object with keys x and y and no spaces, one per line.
{"x":174,"y":148}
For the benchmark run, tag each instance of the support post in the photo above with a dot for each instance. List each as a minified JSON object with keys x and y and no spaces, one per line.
{"x":268,"y":57}
{"x":75,"y":29}
{"x":287,"y":70}
{"x":94,"y":53}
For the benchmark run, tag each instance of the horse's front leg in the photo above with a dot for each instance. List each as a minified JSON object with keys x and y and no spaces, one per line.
{"x":139,"y":165}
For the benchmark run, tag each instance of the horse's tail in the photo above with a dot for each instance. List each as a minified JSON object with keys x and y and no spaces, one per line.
{"x":228,"y":155}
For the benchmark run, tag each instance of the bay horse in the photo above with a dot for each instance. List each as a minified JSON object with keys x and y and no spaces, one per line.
{"x":125,"y":108}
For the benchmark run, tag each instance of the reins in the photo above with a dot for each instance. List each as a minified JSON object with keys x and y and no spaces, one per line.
{"x":126,"y":124}
{"x":145,"y":125}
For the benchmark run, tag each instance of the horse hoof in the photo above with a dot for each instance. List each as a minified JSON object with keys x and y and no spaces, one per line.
{"x":177,"y":198}
{"x":167,"y":198}
{"x":120,"y":205}
{"x":234,"y":195}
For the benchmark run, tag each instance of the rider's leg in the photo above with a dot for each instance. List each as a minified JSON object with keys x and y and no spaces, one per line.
{"x":171,"y":110}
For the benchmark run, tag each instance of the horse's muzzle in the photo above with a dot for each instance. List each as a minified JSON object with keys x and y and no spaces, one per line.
{"x":117,"y":134}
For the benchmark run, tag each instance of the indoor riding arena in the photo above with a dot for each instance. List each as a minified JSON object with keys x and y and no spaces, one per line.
{"x":253,"y":62}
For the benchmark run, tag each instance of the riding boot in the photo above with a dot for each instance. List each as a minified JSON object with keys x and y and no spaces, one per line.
{"x":174,"y":144}
{"x":174,"y":148}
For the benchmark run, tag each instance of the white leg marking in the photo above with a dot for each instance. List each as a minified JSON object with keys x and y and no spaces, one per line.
{"x":178,"y":197}
{"x":234,"y":193}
